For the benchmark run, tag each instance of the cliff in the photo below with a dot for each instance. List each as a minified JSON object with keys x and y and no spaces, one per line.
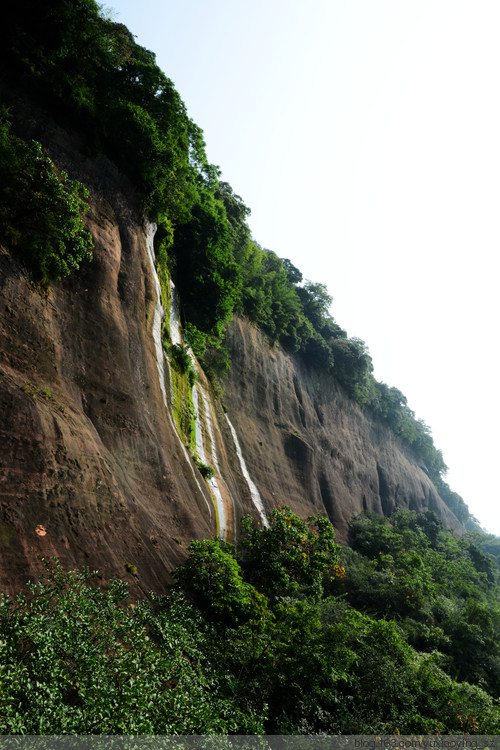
{"x":313,"y":448}
{"x":93,"y":466}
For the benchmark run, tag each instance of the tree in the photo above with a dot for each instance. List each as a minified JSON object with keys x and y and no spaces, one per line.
{"x":205,"y":272}
{"x":41,"y":213}
{"x":236,"y":213}
{"x":291,"y":557}
{"x":212,"y":576}
{"x":316,"y":303}
{"x":292,"y":272}
{"x":352,"y":363}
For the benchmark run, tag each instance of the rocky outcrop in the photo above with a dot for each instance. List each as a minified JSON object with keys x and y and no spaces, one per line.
{"x":92,"y":469}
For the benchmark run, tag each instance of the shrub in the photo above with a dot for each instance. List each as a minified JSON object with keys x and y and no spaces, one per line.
{"x":76,"y":660}
{"x":41,"y":209}
{"x":207,"y":472}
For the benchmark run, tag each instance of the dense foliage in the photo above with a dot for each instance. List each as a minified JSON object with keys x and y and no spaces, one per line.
{"x":40,"y":209}
{"x":488,"y":543}
{"x":443,"y":590}
{"x":75,"y":660}
{"x":283,"y":633}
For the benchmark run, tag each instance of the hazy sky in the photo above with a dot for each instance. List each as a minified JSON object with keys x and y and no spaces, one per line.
{"x":365,"y":138}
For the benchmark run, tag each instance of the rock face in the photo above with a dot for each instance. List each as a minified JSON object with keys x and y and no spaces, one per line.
{"x":92,"y":469}
{"x":86,"y":451}
{"x":312,"y":448}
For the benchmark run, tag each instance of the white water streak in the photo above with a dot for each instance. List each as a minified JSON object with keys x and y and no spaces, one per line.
{"x":158,"y":313}
{"x":197,"y":424}
{"x":175,"y":324}
{"x":213,"y":456}
{"x":210,"y":428}
{"x":157,"y":321}
{"x":254,"y":492}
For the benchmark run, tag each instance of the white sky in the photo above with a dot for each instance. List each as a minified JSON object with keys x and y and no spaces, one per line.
{"x":365,"y":137}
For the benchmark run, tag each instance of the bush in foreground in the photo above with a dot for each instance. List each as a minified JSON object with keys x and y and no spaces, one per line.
{"x":250,"y":641}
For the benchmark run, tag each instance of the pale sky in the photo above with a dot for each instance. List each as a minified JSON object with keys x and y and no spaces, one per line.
{"x":365,"y":137}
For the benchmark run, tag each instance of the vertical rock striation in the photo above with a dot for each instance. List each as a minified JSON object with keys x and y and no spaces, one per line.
{"x":312,"y":448}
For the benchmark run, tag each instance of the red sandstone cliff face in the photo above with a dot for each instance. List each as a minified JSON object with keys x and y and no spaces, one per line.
{"x":91,"y":468}
{"x":310,"y":447}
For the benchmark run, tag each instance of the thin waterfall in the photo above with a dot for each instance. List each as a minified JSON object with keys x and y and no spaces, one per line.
{"x":157,"y":321}
{"x":197,"y":425}
{"x":210,"y":428}
{"x":254,"y":492}
{"x":175,"y":324}
{"x":159,"y":313}
{"x":221,"y":514}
